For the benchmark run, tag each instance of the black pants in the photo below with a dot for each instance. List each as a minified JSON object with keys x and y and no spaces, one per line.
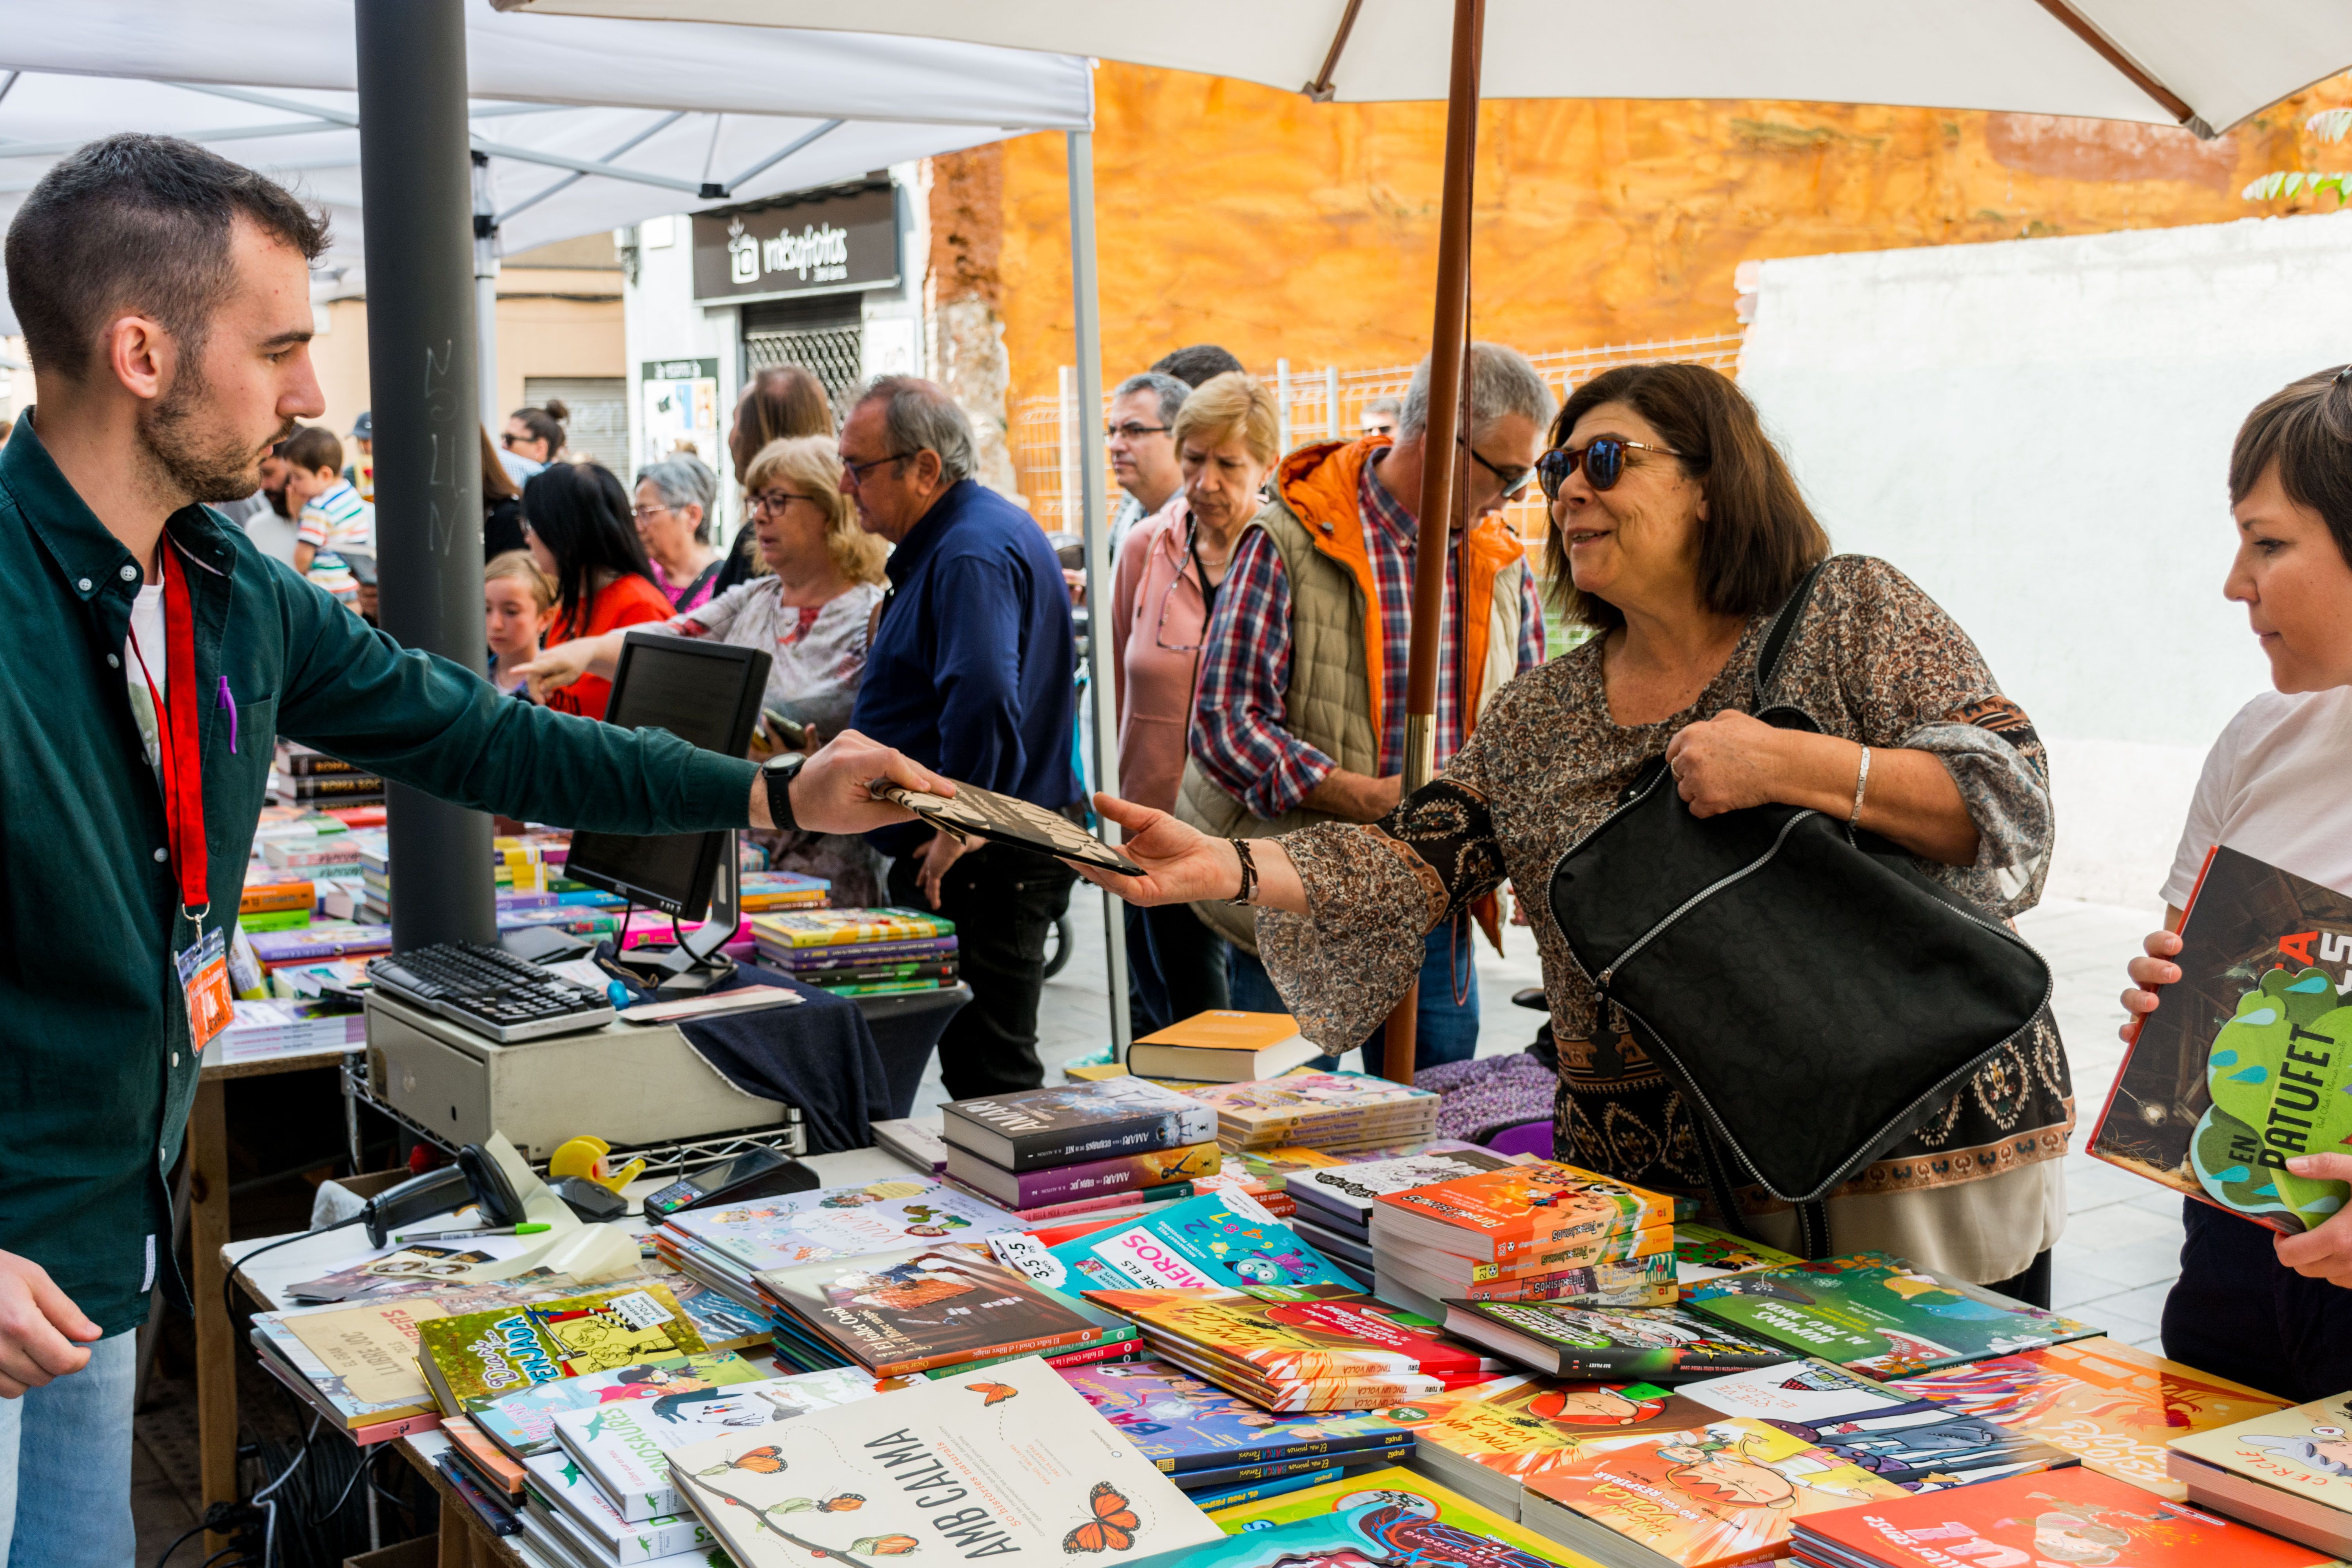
{"x":2238,"y":1312}
{"x":1175,"y":967}
{"x":1004,"y":900}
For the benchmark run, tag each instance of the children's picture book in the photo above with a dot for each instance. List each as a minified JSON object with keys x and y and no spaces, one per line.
{"x":1661,"y":1344}
{"x":1380,"y":1517}
{"x":2306,"y":1450}
{"x":624,"y":1445}
{"x":1346,"y":1193}
{"x":1213,"y":1239}
{"x":1039,"y":1127}
{"x":2242,"y":1067}
{"x":480,"y":1355}
{"x":2110,"y":1405}
{"x":1702,"y":1254}
{"x":415,"y":1269}
{"x":569,"y":1502}
{"x":1320,"y":1108}
{"x":1495,"y":1215}
{"x":2064,"y":1517}
{"x":1509,"y":1429}
{"x":523,"y":1421}
{"x":841,"y":1222}
{"x":1879,"y":1314}
{"x":1637,"y":1282}
{"x":1298,"y":1335}
{"x":835,"y":928}
{"x":1724,"y":1493}
{"x":1084,"y":1178}
{"x":1184,"y":1424}
{"x":1006,"y":1461}
{"x":913,"y":1309}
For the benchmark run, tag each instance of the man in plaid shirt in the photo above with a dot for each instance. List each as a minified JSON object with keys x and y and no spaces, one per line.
{"x":1353,"y":504}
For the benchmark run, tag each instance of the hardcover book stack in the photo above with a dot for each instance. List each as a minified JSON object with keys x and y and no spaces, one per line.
{"x":1287,"y":1350}
{"x":1334,"y":1203}
{"x":301,"y":777}
{"x":1223,"y":1046}
{"x":763,"y":892}
{"x":2289,"y":1471}
{"x":1330,"y":1111}
{"x":1540,"y":1232}
{"x":1050,"y":1153}
{"x":860,"y":952}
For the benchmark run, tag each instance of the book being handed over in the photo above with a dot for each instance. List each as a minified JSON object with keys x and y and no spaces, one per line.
{"x":975,"y":813}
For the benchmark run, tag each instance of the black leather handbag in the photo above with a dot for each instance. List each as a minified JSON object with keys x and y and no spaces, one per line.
{"x":1814,"y":994}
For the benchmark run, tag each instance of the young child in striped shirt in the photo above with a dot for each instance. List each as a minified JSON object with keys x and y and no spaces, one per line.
{"x":332,"y":519}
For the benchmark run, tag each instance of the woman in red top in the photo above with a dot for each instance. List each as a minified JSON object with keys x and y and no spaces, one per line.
{"x":576,"y":519}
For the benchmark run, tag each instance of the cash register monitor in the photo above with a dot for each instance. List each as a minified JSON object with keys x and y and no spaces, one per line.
{"x":704,"y":693}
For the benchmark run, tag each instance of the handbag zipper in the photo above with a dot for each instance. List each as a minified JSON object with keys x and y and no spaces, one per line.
{"x":1701,"y":897}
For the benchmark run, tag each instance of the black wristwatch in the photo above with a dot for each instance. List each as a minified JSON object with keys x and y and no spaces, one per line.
{"x":780,"y":771}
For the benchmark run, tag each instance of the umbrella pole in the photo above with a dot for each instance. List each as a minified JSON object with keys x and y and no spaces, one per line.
{"x":1085,"y":309}
{"x":1441,"y":475}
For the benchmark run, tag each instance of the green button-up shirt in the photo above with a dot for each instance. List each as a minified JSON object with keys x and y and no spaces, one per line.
{"x":96,"y":1070}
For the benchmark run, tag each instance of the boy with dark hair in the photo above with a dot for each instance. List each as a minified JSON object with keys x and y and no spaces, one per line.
{"x":330,"y":518}
{"x":164,"y":295}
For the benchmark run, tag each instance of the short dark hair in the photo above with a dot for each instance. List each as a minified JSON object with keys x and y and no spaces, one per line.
{"x":1170,"y":392}
{"x":2305,"y":428}
{"x":545,"y":423}
{"x":310,"y":448}
{"x":582,"y":514}
{"x":137,"y":223}
{"x":1197,"y":364}
{"x":1759,"y":537}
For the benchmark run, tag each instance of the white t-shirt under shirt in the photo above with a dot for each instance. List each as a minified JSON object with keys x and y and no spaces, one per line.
{"x":2275,"y":787}
{"x":146,"y":642}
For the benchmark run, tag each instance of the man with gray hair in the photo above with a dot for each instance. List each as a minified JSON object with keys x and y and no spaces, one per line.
{"x":1140,"y":437}
{"x":969,"y":667}
{"x":1300,"y":716}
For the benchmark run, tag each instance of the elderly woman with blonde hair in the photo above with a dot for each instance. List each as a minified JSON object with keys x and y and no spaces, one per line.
{"x":811,"y":608}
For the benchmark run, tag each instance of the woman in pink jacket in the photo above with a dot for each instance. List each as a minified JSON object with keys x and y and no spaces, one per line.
{"x":1169,"y":567}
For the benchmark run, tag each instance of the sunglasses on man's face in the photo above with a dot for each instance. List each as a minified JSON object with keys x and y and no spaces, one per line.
{"x":1602,"y":460}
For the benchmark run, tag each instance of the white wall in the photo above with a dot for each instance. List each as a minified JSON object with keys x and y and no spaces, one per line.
{"x":660,"y":320}
{"x":2038,"y":432}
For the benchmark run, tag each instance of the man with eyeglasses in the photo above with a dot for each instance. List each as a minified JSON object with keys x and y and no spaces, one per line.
{"x":971,"y":667}
{"x":1142,"y":447}
{"x":1300,"y":716}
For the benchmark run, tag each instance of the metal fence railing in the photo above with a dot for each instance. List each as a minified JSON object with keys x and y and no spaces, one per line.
{"x":1319,"y":405}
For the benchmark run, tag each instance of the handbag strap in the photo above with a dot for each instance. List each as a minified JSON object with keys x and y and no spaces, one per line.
{"x":1784,"y":626}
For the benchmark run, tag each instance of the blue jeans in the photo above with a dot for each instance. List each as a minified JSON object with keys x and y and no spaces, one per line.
{"x":65,"y":1464}
{"x":1444,"y":1031}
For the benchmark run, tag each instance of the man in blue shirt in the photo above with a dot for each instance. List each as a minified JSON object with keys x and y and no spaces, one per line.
{"x":970,"y":673}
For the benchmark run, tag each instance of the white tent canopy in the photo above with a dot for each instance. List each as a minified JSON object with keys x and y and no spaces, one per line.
{"x":2220,"y":60}
{"x":588,"y":125}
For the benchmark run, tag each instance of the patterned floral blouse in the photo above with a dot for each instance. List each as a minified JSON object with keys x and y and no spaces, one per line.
{"x":1874,"y":660}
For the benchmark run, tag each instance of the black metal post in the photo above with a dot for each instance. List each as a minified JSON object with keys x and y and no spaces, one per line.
{"x":417,"y":188}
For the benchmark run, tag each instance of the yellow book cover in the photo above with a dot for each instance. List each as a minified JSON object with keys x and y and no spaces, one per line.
{"x":835,"y":928}
{"x":1223,"y":1030}
{"x":2306,"y":1450}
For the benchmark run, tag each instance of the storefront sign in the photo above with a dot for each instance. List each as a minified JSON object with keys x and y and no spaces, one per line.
{"x":812,"y":244}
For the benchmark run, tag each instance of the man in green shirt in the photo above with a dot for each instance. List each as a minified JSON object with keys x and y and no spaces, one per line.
{"x":164,"y":297}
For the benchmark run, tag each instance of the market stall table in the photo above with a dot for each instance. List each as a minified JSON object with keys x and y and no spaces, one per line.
{"x":465,"y":1542}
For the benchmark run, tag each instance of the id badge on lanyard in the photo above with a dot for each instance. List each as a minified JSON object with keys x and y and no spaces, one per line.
{"x":203,"y":964}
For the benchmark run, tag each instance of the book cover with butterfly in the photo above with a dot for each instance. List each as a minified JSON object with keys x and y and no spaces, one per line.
{"x":996,"y":1463}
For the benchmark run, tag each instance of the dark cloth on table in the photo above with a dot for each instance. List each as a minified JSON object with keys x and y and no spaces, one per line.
{"x":1002,"y":900}
{"x":819,"y":1056}
{"x":973,"y":665}
{"x":1175,"y":968}
{"x":2236,"y":1311}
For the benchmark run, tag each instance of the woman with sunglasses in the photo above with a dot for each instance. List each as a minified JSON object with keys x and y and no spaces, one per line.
{"x":1226,"y":436}
{"x":1676,"y":532}
{"x":810,"y":608}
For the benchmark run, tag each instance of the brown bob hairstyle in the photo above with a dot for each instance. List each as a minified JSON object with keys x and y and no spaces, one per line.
{"x":2305,"y":427}
{"x":1759,"y":536}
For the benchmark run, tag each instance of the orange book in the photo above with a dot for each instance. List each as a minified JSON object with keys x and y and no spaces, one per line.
{"x":1496,"y":1216}
{"x":266,"y":897}
{"x":488,"y":1458}
{"x":1222,"y":1046}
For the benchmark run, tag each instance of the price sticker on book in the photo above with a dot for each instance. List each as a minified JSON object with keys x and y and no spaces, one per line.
{"x":203,"y":977}
{"x":639,"y":1311}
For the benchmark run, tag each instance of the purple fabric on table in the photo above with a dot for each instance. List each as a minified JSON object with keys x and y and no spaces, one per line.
{"x":1487,"y":1096}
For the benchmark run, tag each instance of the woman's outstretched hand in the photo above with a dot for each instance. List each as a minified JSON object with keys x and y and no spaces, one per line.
{"x":1182,"y":865}
{"x":2148,"y":975}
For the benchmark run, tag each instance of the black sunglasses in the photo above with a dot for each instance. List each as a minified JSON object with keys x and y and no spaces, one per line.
{"x":1603,"y":461}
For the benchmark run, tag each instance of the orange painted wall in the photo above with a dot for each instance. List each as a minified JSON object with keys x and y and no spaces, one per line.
{"x":1230,"y":213}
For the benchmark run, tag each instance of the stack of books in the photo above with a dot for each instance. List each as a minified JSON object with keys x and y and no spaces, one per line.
{"x":2289,"y":1471}
{"x":1320,"y":1348}
{"x":301,"y":777}
{"x":1525,"y":1232}
{"x":1223,"y":1046}
{"x":917,"y":1139}
{"x":1487,"y":1441}
{"x":530,"y":887}
{"x":860,"y":952}
{"x":1216,"y":1446}
{"x":1009,"y":1462}
{"x":765,"y":891}
{"x":1333,"y":1203}
{"x":318,"y":941}
{"x":275,"y":900}
{"x":1330,"y":1111}
{"x":1050,"y":1153}
{"x":2075,"y":1516}
{"x":289,"y":1029}
{"x":937,"y":1309}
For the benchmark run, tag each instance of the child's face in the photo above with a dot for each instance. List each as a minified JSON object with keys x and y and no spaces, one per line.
{"x":511,"y":619}
{"x":306,"y":484}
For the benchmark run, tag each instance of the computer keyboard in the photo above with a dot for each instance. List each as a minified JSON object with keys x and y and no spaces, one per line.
{"x":490,"y":992}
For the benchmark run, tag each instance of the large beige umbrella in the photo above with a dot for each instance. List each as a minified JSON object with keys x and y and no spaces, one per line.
{"x":2202,"y":64}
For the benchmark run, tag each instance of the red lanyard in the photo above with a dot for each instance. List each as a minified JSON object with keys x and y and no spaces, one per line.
{"x":180,"y":755}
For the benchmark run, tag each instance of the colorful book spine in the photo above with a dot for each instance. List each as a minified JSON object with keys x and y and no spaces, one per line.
{"x":1233,"y":1497}
{"x":1039,"y":1190}
{"x":314,"y":942}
